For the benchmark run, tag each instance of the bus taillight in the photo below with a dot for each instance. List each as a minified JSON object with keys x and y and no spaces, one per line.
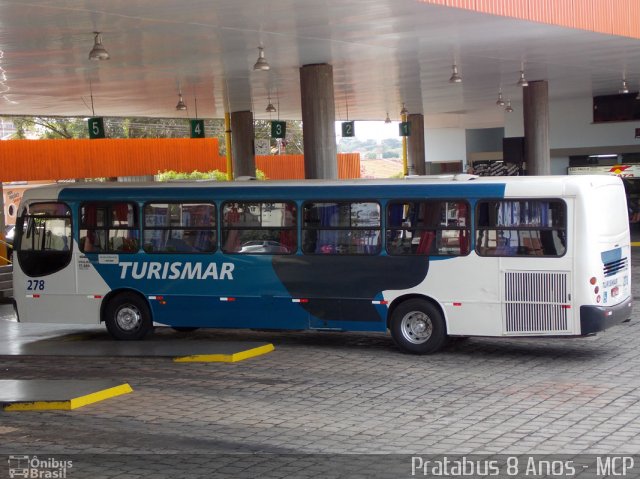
{"x":593,"y":280}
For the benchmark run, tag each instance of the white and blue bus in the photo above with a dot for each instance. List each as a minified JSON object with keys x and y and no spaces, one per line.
{"x":425,"y":258}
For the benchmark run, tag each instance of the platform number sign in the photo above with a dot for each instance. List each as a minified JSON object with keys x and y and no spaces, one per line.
{"x":278,"y":129}
{"x":348,"y":129}
{"x":197,"y":128}
{"x":405,"y":128}
{"x":96,"y":127}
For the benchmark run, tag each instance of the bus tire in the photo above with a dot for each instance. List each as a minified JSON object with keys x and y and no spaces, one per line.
{"x":417,"y":327}
{"x":128,"y":317}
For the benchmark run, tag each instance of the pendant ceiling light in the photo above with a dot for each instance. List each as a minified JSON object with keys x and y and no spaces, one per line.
{"x":522,"y":81}
{"x":500,"y":100}
{"x":508,"y":109}
{"x":180,"y":106}
{"x":261,"y":63}
{"x":404,"y":110}
{"x":455,"y":76}
{"x":625,"y":87}
{"x":270,"y":108}
{"x":387,"y":119}
{"x":98,"y":52}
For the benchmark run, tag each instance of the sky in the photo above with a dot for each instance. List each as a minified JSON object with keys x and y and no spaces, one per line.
{"x":375,"y":130}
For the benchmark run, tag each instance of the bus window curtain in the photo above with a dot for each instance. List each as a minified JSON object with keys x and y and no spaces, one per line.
{"x":430,"y":218}
{"x":232,"y":241}
{"x":395,"y":215}
{"x":463,"y":237}
{"x":287,"y":236}
{"x":328,"y":240}
{"x":121,"y":215}
{"x":90,"y":221}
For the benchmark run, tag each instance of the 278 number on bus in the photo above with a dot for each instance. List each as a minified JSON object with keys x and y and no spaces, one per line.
{"x":35,"y":285}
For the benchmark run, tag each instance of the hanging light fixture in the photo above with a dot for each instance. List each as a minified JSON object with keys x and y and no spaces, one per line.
{"x":500,"y":100}
{"x":387,"y":119}
{"x":261,"y":63}
{"x":180,"y":106}
{"x":508,"y":109}
{"x":455,"y":76}
{"x":98,"y":52}
{"x":270,"y":108}
{"x":625,"y":86}
{"x":522,"y":81}
{"x":404,"y":110}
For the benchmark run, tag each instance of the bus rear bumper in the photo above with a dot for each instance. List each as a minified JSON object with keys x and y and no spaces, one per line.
{"x":599,"y":318}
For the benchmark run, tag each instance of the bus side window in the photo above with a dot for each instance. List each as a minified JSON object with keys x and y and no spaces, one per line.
{"x":109,"y":227}
{"x":188,"y":227}
{"x":428,"y":228}
{"x":265,"y":227}
{"x":341,"y":228}
{"x":521,"y":227}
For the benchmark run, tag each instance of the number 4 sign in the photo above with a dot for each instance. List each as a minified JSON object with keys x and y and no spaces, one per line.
{"x":197,"y":128}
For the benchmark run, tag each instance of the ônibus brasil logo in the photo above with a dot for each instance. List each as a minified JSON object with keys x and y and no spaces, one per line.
{"x":34,"y":467}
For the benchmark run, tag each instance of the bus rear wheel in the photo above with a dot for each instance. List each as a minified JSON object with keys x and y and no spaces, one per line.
{"x":128,"y":317}
{"x":418,"y":327}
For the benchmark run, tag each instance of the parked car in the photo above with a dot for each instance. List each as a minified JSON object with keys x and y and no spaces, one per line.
{"x":263,"y":246}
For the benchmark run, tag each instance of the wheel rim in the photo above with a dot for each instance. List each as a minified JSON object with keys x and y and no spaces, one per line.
{"x":416,"y":327}
{"x":128,"y":318}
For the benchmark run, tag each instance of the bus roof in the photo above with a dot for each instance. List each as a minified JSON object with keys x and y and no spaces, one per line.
{"x":544,"y":185}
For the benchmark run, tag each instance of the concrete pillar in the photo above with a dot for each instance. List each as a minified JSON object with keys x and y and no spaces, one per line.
{"x":535,"y":109}
{"x":415,"y":147}
{"x":318,"y":122}
{"x":242,"y":138}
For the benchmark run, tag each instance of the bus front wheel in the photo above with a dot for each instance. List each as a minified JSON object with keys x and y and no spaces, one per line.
{"x":418,"y":327}
{"x":128,"y":317}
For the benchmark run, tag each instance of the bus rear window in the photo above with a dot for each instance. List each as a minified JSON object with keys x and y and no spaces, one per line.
{"x":521,"y":228}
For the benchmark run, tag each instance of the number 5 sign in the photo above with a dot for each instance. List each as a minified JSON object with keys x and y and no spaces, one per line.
{"x":96,"y":127}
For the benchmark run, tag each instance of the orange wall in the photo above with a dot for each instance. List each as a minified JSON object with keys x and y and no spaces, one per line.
{"x":26,"y":160}
{"x":29,"y":160}
{"x":291,"y":167}
{"x":614,"y":17}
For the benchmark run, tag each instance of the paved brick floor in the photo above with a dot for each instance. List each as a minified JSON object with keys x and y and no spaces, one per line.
{"x":334,"y":394}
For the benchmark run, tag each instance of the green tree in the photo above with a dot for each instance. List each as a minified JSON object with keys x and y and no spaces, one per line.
{"x":50,"y":127}
{"x":292,"y":144}
{"x":216,"y":175}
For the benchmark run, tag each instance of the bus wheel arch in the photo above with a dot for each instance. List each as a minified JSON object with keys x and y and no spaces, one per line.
{"x":126,"y":314}
{"x":417,"y":324}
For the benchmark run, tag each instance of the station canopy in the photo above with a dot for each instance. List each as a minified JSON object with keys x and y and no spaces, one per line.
{"x":384,"y":53}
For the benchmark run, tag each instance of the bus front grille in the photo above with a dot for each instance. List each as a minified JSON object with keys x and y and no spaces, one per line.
{"x":536,"y":302}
